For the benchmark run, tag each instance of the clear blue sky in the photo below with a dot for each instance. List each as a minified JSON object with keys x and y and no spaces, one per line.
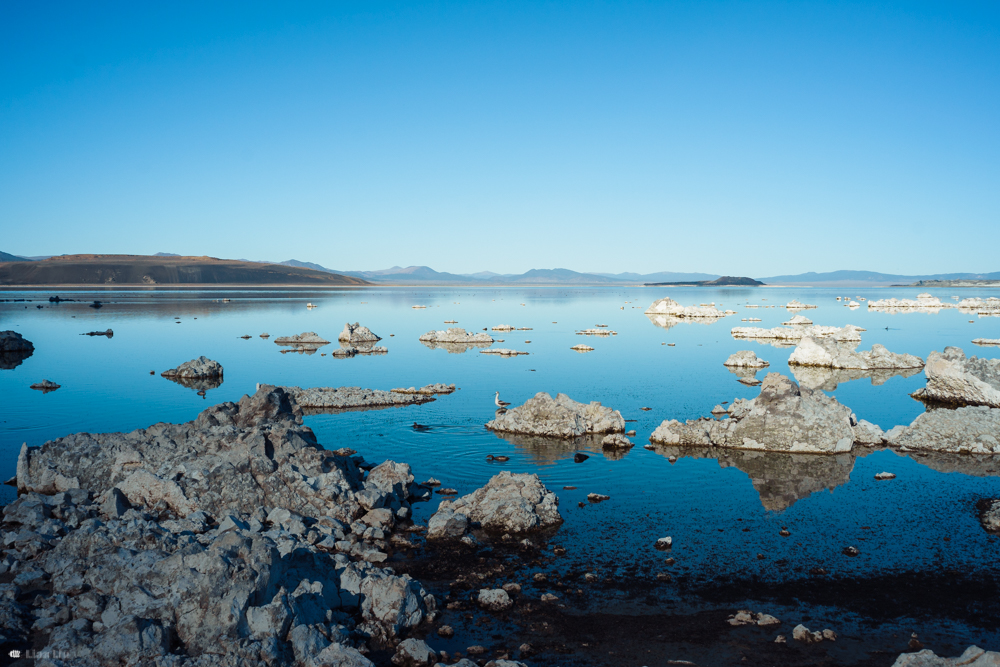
{"x":749,"y":138}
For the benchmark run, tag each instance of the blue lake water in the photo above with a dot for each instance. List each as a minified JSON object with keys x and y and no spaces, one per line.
{"x":722,"y":509}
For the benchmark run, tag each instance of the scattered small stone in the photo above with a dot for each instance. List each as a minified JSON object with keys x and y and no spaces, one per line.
{"x":646,"y":409}
{"x":448,"y":492}
{"x":851,"y":551}
{"x":477,"y":649}
{"x":784,"y":533}
{"x":494,"y":599}
{"x":569,"y":488}
{"x":885,"y":475}
{"x":664,"y":543}
{"x":663,"y":576}
{"x":446,"y":631}
{"x":512,"y":587}
{"x":780,"y":639}
{"x":631,"y":433}
{"x":669,"y":561}
{"x":432,"y":482}
{"x":540,"y":576}
{"x":559,"y":551}
{"x":597,"y":497}
{"x":590,"y":577}
{"x":549,"y":597}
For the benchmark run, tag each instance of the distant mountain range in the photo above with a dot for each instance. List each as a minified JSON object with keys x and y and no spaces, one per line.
{"x":870,"y":278}
{"x":105,"y":270}
{"x":424,"y":275}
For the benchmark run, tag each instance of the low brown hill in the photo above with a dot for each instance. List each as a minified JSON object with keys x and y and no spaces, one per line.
{"x":150,"y":270}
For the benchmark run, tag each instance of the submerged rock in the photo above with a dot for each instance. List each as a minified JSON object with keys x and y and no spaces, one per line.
{"x":355,"y":333}
{"x":956,"y":380}
{"x":783,"y":418}
{"x":503,"y":352}
{"x":109,"y":333}
{"x":671,"y":308}
{"x":331,"y":400}
{"x":559,"y":417}
{"x":967,"y":430}
{"x":196,"y":369}
{"x":509,"y":503}
{"x":829,"y":353}
{"x":972,"y":657}
{"x":745,"y":359}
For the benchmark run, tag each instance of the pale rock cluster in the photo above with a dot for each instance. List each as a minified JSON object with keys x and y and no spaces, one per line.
{"x":559,"y":417}
{"x":828,"y":353}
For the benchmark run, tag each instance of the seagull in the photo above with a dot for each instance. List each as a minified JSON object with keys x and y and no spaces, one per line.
{"x":500,"y":404}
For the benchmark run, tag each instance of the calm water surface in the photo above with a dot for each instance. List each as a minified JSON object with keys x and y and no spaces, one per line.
{"x":721,"y":509}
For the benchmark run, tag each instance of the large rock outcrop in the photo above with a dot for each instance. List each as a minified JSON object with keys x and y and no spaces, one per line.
{"x":233,"y":535}
{"x":509,"y":503}
{"x":559,"y":417}
{"x":783,"y":418}
{"x":967,"y":430}
{"x":828,"y":353}
{"x":355,"y":333}
{"x":972,"y":657}
{"x":956,"y":380}
{"x":669,"y":307}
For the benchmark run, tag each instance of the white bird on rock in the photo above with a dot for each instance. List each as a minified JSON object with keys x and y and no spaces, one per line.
{"x":500,"y":404}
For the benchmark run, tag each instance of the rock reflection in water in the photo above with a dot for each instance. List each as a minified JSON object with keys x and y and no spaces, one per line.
{"x":11,"y":360}
{"x":827,"y":379}
{"x":198,"y":384}
{"x":780,"y":479}
{"x":744,"y":372}
{"x":975,"y":465}
{"x":668,"y":321}
{"x":550,"y":450}
{"x":455,"y":348}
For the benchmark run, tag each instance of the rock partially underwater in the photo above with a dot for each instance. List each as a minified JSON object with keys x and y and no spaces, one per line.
{"x":956,"y":380}
{"x":332,"y":400}
{"x":14,"y":349}
{"x":509,"y":503}
{"x":783,"y":418}
{"x":829,"y":353}
{"x":559,"y":417}
{"x":233,"y":535}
